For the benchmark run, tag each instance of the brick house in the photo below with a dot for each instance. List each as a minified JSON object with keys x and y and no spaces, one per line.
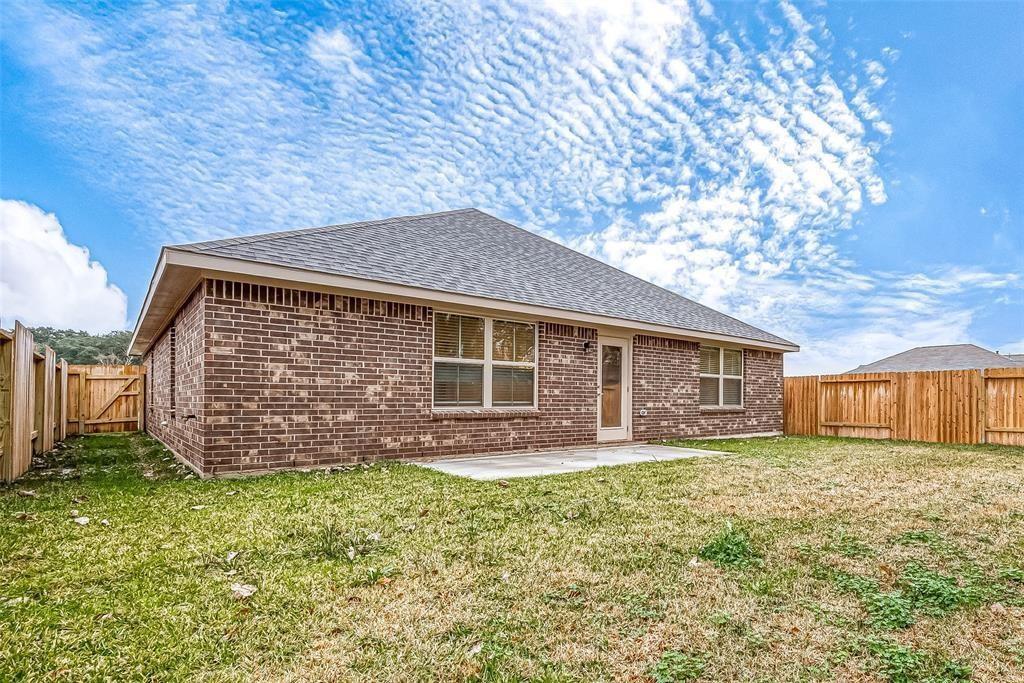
{"x":442,"y":334}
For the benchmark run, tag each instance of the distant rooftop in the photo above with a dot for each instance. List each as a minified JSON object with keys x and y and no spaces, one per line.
{"x":949,"y":357}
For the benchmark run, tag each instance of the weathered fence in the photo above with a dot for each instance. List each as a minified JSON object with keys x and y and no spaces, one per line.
{"x":43,"y":400}
{"x":32,"y":401}
{"x":949,"y":406}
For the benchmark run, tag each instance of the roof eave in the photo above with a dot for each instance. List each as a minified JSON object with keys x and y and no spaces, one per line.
{"x":209,"y":265}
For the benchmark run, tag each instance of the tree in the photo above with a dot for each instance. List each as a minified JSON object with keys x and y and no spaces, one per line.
{"x":82,"y":348}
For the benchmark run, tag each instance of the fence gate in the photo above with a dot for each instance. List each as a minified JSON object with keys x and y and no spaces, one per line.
{"x":104,"y":398}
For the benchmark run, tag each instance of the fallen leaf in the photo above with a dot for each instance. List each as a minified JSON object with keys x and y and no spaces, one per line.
{"x":232,"y":555}
{"x":105,"y":522}
{"x":231,"y":493}
{"x":375,"y":537}
{"x":503,"y":483}
{"x":17,"y":601}
{"x":475,"y":648}
{"x":81,"y":521}
{"x":424,"y":512}
{"x":997,"y":608}
{"x":73,"y":513}
{"x":242,"y":591}
{"x":25,"y":493}
{"x":694,"y":562}
{"x":409,"y":528}
{"x":23,"y":516}
{"x":198,"y":507}
{"x":351,"y":554}
{"x":384,"y":581}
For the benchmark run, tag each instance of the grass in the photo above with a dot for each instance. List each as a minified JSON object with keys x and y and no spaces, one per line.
{"x":794,"y":559}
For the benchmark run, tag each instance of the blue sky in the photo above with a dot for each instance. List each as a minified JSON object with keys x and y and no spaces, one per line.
{"x":850,"y":176}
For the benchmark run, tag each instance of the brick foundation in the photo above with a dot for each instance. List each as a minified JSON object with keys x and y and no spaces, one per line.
{"x":268,"y":378}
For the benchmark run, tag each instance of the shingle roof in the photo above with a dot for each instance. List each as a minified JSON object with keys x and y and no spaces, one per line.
{"x":471,"y":252}
{"x":951,"y":357}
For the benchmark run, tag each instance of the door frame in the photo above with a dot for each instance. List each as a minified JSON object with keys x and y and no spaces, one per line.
{"x":625,"y":431}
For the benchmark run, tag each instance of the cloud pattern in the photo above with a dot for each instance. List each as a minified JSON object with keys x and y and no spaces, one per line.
{"x":716,"y":157}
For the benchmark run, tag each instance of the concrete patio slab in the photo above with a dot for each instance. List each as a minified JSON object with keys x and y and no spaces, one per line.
{"x":511,"y":465}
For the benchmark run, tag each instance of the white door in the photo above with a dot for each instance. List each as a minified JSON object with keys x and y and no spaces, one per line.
{"x":613,"y":411}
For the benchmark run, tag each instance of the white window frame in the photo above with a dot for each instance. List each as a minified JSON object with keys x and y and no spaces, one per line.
{"x":721,"y":377}
{"x":488,"y":362}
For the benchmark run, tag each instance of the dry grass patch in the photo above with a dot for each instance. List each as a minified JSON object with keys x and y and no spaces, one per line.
{"x":793,"y":559}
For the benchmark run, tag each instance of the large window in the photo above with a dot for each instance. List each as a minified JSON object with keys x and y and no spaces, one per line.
{"x":483,"y":363}
{"x":721,"y":377}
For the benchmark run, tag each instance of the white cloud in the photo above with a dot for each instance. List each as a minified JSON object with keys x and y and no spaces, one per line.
{"x":46,"y":280}
{"x":652,"y":134}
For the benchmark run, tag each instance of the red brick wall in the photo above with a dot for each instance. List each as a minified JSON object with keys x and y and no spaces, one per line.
{"x":303,"y":379}
{"x":666,"y":383}
{"x":268,"y":378}
{"x":175,"y":362}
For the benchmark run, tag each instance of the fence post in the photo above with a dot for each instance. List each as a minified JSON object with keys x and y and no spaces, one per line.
{"x":982,"y":407}
{"x":62,"y":406}
{"x":82,"y":402}
{"x":6,"y":403}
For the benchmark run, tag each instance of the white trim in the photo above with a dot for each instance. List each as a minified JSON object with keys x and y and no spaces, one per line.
{"x":721,"y":377}
{"x":487,"y":363}
{"x":624,"y":432}
{"x":286,"y":276}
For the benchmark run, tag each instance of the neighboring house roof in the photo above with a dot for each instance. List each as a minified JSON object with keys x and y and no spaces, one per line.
{"x":1016,"y":356}
{"x":469,"y":252}
{"x":950,"y":357}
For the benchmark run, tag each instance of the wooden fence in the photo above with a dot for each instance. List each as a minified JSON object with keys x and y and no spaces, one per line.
{"x":43,"y":400}
{"x":949,"y":406}
{"x":105,"y":398}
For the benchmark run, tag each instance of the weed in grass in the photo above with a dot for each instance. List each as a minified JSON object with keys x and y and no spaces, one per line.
{"x":377,"y":576}
{"x":850,"y":546}
{"x":738,"y":628}
{"x":929,"y":539}
{"x":329,"y":541}
{"x":936,"y":594}
{"x":918,"y":590}
{"x":677,"y":667}
{"x":1015,"y":574}
{"x":731,"y":549}
{"x":887,"y":610}
{"x":900,"y":664}
{"x":642,"y":607}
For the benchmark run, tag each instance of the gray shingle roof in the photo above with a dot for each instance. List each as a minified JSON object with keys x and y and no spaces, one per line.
{"x":470,"y":252}
{"x":951,"y":357}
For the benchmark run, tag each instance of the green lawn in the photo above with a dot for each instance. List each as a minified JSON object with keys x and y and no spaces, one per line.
{"x":795,"y":559}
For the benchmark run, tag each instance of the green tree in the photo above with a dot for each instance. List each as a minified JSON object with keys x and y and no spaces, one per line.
{"x":82,"y":348}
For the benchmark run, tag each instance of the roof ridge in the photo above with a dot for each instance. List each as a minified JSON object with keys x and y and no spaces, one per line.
{"x":279,"y":234}
{"x":628,"y":274}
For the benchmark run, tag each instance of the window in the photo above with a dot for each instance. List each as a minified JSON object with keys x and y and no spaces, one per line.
{"x":721,"y":377}
{"x":480,"y":362}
